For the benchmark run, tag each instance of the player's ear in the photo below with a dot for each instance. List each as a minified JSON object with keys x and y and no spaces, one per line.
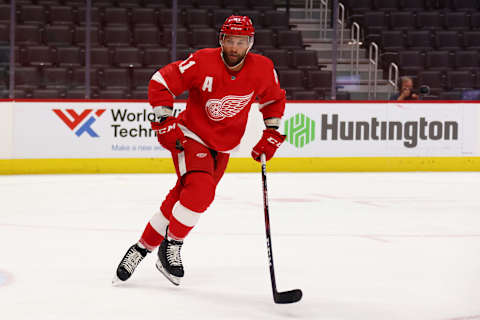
{"x":250,"y":40}
{"x":220,"y":39}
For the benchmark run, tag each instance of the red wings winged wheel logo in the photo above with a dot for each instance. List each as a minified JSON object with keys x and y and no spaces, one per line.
{"x":227,"y":107}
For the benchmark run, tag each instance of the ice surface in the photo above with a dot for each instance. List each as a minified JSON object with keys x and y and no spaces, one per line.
{"x":364,"y":246}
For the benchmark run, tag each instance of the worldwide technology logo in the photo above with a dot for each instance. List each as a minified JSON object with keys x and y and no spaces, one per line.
{"x":300,"y":130}
{"x":73,"y":120}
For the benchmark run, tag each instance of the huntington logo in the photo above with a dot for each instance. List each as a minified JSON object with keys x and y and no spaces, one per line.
{"x":73,"y":120}
{"x":300,"y":130}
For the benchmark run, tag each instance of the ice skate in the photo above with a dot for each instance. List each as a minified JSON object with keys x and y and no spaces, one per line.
{"x":130,"y":261}
{"x":169,"y":261}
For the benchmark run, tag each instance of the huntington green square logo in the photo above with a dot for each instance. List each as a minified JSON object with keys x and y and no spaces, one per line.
{"x":300,"y":130}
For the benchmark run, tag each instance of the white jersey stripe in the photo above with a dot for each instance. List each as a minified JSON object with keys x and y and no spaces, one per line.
{"x":261,"y":106}
{"x":182,"y":167}
{"x":184,"y":215}
{"x":159,"y":78}
{"x":188,"y":133}
{"x":159,"y":223}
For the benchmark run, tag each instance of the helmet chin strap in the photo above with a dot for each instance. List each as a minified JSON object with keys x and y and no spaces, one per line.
{"x":241,"y":61}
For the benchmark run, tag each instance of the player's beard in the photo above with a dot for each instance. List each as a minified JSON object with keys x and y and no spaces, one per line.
{"x":232,"y":59}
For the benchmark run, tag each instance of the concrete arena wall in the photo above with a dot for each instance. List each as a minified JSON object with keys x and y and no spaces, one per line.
{"x":79,"y":136}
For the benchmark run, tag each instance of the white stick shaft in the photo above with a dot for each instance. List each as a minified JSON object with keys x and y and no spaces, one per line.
{"x":263,"y":158}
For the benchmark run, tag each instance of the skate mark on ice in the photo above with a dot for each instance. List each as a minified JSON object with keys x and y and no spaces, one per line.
{"x":413,"y":236}
{"x":293,"y":200}
{"x":375,"y":238}
{"x":317,"y":199}
{"x":477,"y":317}
{"x":64,"y":228}
{"x":362,"y":202}
{"x":237,"y":201}
{"x":368,"y":203}
{"x":388,"y":201}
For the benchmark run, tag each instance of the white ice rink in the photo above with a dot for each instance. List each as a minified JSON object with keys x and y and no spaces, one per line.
{"x":369,"y":246}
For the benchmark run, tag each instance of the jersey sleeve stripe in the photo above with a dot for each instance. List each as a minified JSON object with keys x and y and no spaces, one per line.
{"x":157,"y":77}
{"x":261,"y":106}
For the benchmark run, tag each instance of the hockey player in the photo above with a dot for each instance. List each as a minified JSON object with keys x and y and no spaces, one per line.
{"x":222,"y":83}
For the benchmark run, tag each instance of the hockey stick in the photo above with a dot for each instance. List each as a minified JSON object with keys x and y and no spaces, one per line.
{"x":279,"y":297}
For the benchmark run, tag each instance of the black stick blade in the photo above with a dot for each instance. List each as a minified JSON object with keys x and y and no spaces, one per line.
{"x":287,"y":296}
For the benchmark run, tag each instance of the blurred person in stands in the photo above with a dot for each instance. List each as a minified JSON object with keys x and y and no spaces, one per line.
{"x":223,"y":83}
{"x":405,"y":90}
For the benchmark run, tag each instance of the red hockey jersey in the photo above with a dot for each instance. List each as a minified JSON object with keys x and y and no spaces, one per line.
{"x":219,"y":99}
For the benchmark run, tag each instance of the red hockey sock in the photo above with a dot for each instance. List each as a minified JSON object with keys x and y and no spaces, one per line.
{"x":150,"y":238}
{"x":154,"y":231}
{"x":182,"y":222}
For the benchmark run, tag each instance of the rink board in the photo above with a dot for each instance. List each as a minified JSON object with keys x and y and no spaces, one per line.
{"x":131,"y":165}
{"x":114,"y":136}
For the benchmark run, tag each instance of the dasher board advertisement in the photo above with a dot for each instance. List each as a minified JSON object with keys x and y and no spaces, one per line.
{"x":84,"y":130}
{"x":98,"y":130}
{"x":380,"y":130}
{"x":314,"y":130}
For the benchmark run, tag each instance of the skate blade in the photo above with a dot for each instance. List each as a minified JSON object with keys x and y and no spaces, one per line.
{"x":116,"y":281}
{"x":171,"y":278}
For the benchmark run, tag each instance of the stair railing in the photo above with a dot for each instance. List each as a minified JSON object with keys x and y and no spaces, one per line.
{"x":308,"y":9}
{"x":393,"y":76}
{"x":323,"y":18}
{"x":354,"y":48}
{"x":341,"y":21}
{"x":372,"y":67}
